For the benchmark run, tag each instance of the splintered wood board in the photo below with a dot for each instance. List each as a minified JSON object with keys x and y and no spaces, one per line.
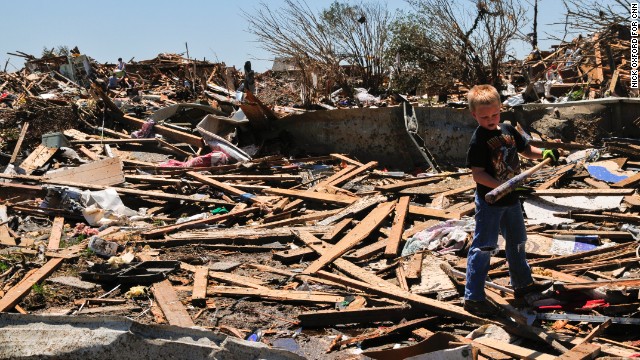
{"x":37,"y":158}
{"x":102,"y":172}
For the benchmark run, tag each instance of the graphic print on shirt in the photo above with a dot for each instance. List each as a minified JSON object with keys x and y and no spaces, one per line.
{"x":504,"y":157}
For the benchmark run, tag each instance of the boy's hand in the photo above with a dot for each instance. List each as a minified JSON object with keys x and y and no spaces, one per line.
{"x":524,"y":190}
{"x":554,"y":154}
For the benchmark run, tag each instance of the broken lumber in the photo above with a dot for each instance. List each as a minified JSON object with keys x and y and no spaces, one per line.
{"x":393,"y":243}
{"x":324,"y":318}
{"x":353,"y":237}
{"x":56,"y":233}
{"x":16,"y":149}
{"x":170,"y":305}
{"x":189,"y":224}
{"x":16,"y":293}
{"x":278,"y":295}
{"x":371,"y":283}
{"x":313,"y":196}
{"x":200,"y":278}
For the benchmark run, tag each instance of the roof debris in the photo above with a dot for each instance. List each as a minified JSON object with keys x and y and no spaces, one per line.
{"x":166,"y":191}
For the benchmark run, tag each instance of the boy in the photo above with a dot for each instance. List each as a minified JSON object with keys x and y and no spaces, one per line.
{"x":493,"y":159}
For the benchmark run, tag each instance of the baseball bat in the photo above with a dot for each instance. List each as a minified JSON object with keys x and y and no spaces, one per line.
{"x":509,"y":185}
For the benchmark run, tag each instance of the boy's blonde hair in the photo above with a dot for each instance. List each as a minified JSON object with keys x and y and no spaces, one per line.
{"x":482,"y":95}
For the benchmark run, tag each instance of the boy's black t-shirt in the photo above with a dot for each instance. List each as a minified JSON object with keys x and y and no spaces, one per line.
{"x":497,"y":152}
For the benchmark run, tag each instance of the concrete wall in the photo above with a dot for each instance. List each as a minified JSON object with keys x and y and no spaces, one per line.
{"x":379,"y":134}
{"x":612,"y":115}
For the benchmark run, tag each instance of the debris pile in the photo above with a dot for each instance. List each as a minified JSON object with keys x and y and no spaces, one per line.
{"x":159,"y":200}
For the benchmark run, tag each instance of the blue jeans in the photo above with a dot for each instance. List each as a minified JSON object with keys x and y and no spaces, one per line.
{"x":489,"y":219}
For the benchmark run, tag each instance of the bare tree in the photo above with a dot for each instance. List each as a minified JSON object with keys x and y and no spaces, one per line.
{"x":317,"y":42}
{"x":471,"y":37}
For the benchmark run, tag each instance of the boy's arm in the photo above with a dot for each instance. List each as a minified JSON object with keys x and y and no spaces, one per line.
{"x":532,"y":152}
{"x":480,"y":176}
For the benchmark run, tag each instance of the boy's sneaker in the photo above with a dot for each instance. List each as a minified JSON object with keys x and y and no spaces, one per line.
{"x":480,"y":308}
{"x":535,"y":286}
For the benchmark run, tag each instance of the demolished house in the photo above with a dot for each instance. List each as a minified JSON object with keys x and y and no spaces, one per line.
{"x":173,"y":216}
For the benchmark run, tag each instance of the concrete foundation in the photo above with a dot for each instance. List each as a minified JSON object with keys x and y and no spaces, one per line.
{"x":379,"y":134}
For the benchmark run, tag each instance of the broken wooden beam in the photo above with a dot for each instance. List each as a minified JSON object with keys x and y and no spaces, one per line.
{"x":16,"y":293}
{"x":313,"y":196}
{"x":278,"y":295}
{"x":371,"y":222}
{"x":322,"y":318}
{"x":193,"y":223}
{"x":371,"y":283}
{"x":56,"y":233}
{"x":395,"y":236}
{"x":200,"y":279}
{"x":170,"y":304}
{"x":584,"y":192}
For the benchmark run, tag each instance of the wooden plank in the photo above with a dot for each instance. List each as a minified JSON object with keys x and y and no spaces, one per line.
{"x":371,"y":283}
{"x":367,"y":251}
{"x":239,"y":280}
{"x":347,"y":159}
{"x":393,"y":243}
{"x":16,"y":293}
{"x":419,"y":182}
{"x":371,"y":222}
{"x":598,"y":75}
{"x":222,"y":186}
{"x":322,"y":185}
{"x":455,"y":191}
{"x":200,"y":279}
{"x":189,"y":224}
{"x":323,"y":318}
{"x":313,"y":196}
{"x":431,"y":212}
{"x":278,"y":295}
{"x":115,"y":141}
{"x":294,"y":255}
{"x":406,"y":184}
{"x":484,"y":350}
{"x":56,"y":233}
{"x":584,"y":192}
{"x":631,"y":180}
{"x":596,"y":284}
{"x":388,"y":330}
{"x":614,"y":82}
{"x":464,"y":210}
{"x":16,"y":149}
{"x":584,"y":351}
{"x":558,"y":175}
{"x":355,"y":208}
{"x":318,"y":215}
{"x":601,"y":233}
{"x":294,"y":275}
{"x":361,"y":169}
{"x":88,"y":153}
{"x":101,"y":172}
{"x":120,"y":190}
{"x":512,"y":312}
{"x":597,"y":183}
{"x":336,"y":230}
{"x":171,"y":306}
{"x":402,"y":280}
{"x":38,"y":157}
{"x":514,"y":350}
{"x":414,"y":268}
